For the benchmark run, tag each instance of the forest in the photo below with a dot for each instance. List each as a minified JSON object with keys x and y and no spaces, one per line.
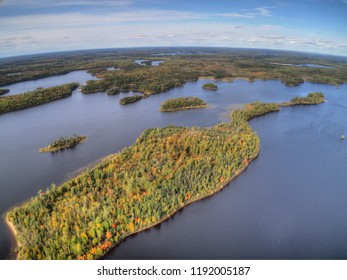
{"x":130,"y":99}
{"x":210,"y":86}
{"x":166,"y":169}
{"x":63,"y":143}
{"x":146,"y":79}
{"x":311,"y":99}
{"x":35,"y":98}
{"x":182,"y":103}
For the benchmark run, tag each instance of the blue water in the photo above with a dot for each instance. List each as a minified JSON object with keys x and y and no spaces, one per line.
{"x":313,"y":65}
{"x":75,"y":76}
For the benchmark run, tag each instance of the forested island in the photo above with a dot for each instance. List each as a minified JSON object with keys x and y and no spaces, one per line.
{"x":4,"y":91}
{"x":311,"y":99}
{"x":166,"y":169}
{"x":210,"y":86}
{"x":182,"y":103}
{"x":130,"y":99}
{"x":63,"y":143}
{"x":35,"y":98}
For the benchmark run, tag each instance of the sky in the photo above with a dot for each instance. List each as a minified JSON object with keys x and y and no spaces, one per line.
{"x":41,"y":26}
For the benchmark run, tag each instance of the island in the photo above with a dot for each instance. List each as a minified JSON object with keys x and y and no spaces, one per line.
{"x":182,"y":103}
{"x":130,"y":99}
{"x":165,"y":170}
{"x":210,"y":86}
{"x":35,"y":98}
{"x":4,"y":91}
{"x":311,"y":99}
{"x":63,"y":143}
{"x":113,"y":90}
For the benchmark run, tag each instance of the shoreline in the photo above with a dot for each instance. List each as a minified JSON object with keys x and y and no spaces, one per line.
{"x":229,"y":79}
{"x":185,"y":108}
{"x":226,"y":183}
{"x":13,"y":233}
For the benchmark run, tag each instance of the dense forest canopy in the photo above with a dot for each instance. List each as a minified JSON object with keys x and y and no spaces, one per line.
{"x":35,"y":98}
{"x":182,"y":103}
{"x":130,"y":99}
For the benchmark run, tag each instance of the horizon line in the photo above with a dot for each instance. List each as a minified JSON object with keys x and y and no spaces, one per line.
{"x":167,"y":47}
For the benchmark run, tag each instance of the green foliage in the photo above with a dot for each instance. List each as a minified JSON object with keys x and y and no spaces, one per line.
{"x":35,"y":98}
{"x":210,"y":86}
{"x":311,"y":99}
{"x":253,"y":110}
{"x":182,"y":103}
{"x":148,"y":80}
{"x":130,"y":99}
{"x":63,"y":143}
{"x":113,"y":90}
{"x":96,"y":86}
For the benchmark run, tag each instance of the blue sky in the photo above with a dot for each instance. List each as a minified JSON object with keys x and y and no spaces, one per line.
{"x":36,"y":26}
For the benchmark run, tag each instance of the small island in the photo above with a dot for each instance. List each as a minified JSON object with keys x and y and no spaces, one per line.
{"x":4,"y":91}
{"x":63,"y":143}
{"x":130,"y":99}
{"x":182,"y":103}
{"x":210,"y":86}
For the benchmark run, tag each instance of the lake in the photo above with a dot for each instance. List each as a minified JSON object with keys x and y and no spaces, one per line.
{"x":74,"y":76}
{"x":289,"y":203}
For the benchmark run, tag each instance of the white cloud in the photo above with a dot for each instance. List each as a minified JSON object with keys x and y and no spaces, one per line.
{"x":39,"y":22}
{"x":271,"y":27}
{"x":257,"y":12}
{"x":43,"y":33}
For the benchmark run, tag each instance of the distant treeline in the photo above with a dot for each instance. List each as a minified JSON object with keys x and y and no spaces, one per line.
{"x":35,"y":98}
